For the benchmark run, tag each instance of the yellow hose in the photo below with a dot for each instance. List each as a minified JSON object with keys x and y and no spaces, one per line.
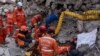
{"x":59,"y":23}
{"x":91,"y":12}
{"x":73,"y":14}
{"x":68,"y":13}
{"x":89,"y":18}
{"x":88,"y":15}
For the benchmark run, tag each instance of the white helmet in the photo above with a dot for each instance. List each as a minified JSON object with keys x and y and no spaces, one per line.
{"x":6,"y":10}
{"x":19,"y":4}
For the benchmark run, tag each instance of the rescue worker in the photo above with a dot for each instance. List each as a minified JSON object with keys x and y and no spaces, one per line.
{"x":39,"y":32}
{"x":23,"y":37}
{"x":48,"y":46}
{"x":19,"y":15}
{"x":37,"y":19}
{"x":2,"y":32}
{"x":54,"y":14}
{"x":9,"y":22}
{"x":51,"y":18}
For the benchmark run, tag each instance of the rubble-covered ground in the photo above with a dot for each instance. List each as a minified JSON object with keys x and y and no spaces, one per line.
{"x":68,"y":29}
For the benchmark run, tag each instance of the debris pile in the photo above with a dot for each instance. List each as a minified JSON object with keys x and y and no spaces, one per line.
{"x":88,"y":39}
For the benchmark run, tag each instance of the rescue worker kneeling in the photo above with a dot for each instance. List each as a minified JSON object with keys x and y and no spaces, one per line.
{"x":47,"y":46}
{"x":37,"y":20}
{"x":23,"y":37}
{"x":39,"y":32}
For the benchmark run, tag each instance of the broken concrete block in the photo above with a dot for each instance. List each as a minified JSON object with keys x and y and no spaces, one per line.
{"x":98,"y":42}
{"x":89,"y":26}
{"x":80,"y":25}
{"x":87,"y":1}
{"x":1,"y":51}
{"x":11,"y":42}
{"x":95,"y":1}
{"x":2,"y":1}
{"x":78,"y":4}
{"x":83,"y":7}
{"x":97,"y":6}
{"x":83,"y":48}
{"x":16,"y":52}
{"x":7,"y":1}
{"x":48,"y":2}
{"x":7,"y":52}
{"x":88,"y":6}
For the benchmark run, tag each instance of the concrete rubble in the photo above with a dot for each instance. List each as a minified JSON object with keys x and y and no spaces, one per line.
{"x":7,"y":1}
{"x":11,"y":48}
{"x":32,"y":8}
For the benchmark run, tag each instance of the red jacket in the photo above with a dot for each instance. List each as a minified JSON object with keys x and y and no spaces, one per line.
{"x":36,"y":19}
{"x":47,"y":46}
{"x":19,"y":17}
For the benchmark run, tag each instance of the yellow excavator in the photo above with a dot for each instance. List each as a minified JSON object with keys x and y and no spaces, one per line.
{"x":89,"y":15}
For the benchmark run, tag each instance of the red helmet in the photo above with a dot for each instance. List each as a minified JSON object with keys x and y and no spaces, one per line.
{"x":42,"y":28}
{"x":38,"y":17}
{"x":51,"y":29}
{"x":24,"y":28}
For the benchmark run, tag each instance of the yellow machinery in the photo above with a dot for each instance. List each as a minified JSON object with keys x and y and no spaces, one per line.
{"x":85,"y":16}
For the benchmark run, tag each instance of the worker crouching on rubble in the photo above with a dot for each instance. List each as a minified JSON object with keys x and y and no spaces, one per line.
{"x":9,"y":22}
{"x":37,"y":19}
{"x":3,"y":32}
{"x":41,"y":31}
{"x":51,"y":18}
{"x":19,"y":15}
{"x":48,"y":46}
{"x":23,"y":37}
